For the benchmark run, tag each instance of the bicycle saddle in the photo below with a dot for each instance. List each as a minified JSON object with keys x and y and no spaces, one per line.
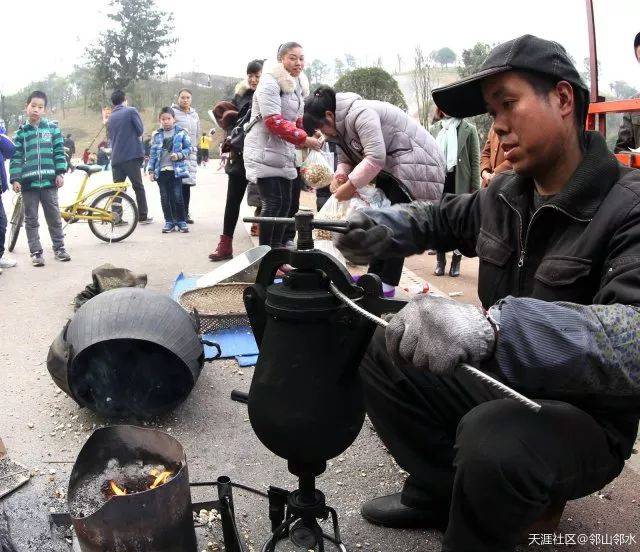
{"x":89,"y":169}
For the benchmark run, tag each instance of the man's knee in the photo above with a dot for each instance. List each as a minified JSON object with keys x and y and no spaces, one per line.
{"x":376,"y":360}
{"x":492,"y":452}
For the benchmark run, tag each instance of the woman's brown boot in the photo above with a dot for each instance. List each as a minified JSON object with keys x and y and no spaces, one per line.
{"x":224,"y":250}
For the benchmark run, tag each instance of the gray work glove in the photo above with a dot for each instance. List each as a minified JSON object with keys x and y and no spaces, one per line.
{"x":365,"y":241}
{"x":437,"y":334}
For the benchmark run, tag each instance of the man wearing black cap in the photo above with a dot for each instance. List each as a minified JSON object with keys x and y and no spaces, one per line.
{"x":629,"y":132}
{"x":558,"y":239}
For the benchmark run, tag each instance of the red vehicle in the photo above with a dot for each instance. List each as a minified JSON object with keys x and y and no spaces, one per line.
{"x":598,"y":109}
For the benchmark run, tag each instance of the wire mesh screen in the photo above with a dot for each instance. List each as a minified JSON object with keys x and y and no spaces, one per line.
{"x":219,"y":307}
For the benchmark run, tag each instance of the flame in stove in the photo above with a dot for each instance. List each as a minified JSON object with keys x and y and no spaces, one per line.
{"x":117,"y":491}
{"x":160,"y":478}
{"x":157,"y":478}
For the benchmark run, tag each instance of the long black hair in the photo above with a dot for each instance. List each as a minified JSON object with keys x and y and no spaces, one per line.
{"x":316,"y":106}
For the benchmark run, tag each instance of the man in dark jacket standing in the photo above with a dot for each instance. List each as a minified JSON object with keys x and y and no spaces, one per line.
{"x":629,"y":133}
{"x":127,"y":153}
{"x":559,"y":245}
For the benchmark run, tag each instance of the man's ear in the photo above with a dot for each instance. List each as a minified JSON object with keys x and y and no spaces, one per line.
{"x":566,"y":99}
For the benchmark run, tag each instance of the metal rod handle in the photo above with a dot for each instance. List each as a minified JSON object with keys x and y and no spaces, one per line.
{"x":240,"y":396}
{"x":341,"y":226}
{"x":273,"y":220}
{"x":508,"y":391}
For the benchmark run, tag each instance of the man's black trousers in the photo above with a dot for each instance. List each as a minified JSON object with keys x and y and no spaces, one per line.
{"x":494,"y":464}
{"x":131,"y":169}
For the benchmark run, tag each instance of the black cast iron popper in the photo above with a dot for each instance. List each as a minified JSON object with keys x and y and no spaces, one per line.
{"x":305,"y":402}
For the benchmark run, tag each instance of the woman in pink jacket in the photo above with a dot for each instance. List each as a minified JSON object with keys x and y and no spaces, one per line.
{"x":377,"y":141}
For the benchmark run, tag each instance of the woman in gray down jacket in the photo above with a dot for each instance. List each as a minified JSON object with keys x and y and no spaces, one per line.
{"x":377,"y":141}
{"x":188,"y":119}
{"x":274,"y":133}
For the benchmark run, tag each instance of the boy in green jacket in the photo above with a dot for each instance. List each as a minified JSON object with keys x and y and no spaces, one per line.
{"x":37,"y":170}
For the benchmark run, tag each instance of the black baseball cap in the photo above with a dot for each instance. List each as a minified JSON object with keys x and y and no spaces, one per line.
{"x":525,"y":53}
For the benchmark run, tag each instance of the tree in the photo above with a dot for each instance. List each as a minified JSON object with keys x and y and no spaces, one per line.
{"x":136,"y":47}
{"x":339,"y":69}
{"x":317,"y":71}
{"x":372,"y":83}
{"x":623,"y":90}
{"x":444,"y":56}
{"x":351,"y":62}
{"x":473,"y":58}
{"x":585,"y":74}
{"x":424,"y":81}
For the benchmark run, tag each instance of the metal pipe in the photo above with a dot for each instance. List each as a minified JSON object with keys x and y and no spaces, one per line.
{"x":593,"y":52}
{"x":508,"y":391}
{"x":230,"y":534}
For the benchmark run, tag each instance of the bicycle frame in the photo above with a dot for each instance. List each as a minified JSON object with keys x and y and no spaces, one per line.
{"x":79,"y":210}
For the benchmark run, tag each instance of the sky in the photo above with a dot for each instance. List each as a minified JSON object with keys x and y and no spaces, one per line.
{"x":52,"y":36}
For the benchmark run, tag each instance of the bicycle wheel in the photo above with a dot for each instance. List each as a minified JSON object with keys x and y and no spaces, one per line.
{"x":17,"y":218}
{"x":125,"y":217}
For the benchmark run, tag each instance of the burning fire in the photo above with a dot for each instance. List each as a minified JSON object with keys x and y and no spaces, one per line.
{"x":158,"y":478}
{"x":116,"y":490}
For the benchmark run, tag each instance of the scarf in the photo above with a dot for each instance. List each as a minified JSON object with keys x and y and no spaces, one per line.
{"x":447,"y":141}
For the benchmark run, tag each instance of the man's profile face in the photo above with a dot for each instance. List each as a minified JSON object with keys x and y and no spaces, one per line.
{"x":528,"y":124}
{"x":638,"y":54}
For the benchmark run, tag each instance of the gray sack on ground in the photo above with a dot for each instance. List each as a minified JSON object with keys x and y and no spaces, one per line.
{"x":106,"y":277}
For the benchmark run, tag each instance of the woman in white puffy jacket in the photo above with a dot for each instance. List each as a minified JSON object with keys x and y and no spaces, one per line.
{"x":274,"y":133}
{"x":188,"y":119}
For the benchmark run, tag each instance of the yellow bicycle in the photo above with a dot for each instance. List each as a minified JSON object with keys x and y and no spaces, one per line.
{"x":111,"y":214}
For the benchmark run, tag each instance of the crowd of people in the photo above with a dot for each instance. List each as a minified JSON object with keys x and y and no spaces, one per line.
{"x":552,"y":215}
{"x":387,"y":147}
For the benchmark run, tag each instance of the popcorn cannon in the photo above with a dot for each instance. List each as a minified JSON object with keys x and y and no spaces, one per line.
{"x":305,"y":401}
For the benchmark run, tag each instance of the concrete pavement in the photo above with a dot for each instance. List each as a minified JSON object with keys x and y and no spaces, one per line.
{"x":44,"y":429}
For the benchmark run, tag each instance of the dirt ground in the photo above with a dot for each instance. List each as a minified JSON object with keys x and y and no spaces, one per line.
{"x":44,"y":429}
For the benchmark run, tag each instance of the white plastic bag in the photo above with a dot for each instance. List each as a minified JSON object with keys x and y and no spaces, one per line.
{"x":369,"y":197}
{"x":316,"y":171}
{"x":331,"y":210}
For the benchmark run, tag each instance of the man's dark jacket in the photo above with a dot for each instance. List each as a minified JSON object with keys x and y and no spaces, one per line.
{"x":629,"y":132}
{"x":581,"y":247}
{"x":125,"y":134}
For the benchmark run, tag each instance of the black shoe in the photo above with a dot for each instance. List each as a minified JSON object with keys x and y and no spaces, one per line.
{"x":389,"y":511}
{"x":61,"y":255}
{"x":189,"y":219}
{"x":441,"y":263}
{"x":454,"y":271}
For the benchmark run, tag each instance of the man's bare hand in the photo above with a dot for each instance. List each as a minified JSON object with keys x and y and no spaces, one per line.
{"x":17,"y":187}
{"x":59,"y":181}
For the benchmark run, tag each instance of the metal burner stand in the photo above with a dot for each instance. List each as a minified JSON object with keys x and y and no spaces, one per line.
{"x":293,"y":515}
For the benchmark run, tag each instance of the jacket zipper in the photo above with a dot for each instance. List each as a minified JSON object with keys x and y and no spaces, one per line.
{"x":38,"y":149}
{"x":520,"y":235}
{"x":524,"y":237}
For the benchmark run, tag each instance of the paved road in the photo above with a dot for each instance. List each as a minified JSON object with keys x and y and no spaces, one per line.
{"x":215,"y":432}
